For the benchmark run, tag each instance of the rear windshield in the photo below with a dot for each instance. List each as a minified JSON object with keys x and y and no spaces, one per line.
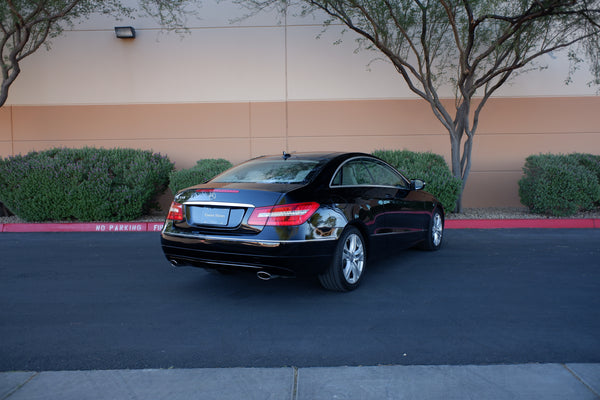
{"x":271,"y":171}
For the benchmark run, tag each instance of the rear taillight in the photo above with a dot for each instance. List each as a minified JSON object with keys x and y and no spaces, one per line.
{"x":285,"y":215}
{"x":175,"y":212}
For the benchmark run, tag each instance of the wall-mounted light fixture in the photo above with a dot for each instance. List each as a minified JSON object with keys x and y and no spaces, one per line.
{"x":125,"y":32}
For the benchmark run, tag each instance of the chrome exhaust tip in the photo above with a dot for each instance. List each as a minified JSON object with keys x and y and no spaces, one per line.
{"x":264,"y":275}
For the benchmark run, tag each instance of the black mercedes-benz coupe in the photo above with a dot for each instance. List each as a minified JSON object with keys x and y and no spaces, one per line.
{"x":298,"y":214}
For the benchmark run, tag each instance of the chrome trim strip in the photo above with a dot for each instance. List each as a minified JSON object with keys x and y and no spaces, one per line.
{"x":217,"y":204}
{"x":370,"y":186}
{"x":400,"y":233}
{"x":266,"y":243}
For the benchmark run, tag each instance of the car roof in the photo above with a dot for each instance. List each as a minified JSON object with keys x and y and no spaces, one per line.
{"x":316,"y":156}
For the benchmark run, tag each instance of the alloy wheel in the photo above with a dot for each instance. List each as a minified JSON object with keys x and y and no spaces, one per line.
{"x":353,"y":258}
{"x":437,"y":229}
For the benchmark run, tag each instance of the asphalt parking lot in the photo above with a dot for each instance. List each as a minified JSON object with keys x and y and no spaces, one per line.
{"x":84,"y":301}
{"x":497,"y":314}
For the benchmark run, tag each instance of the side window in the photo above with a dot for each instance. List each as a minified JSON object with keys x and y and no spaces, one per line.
{"x":361,"y":172}
{"x":383,"y":175}
{"x":353,"y":173}
{"x":337,"y":179}
{"x":365,"y":172}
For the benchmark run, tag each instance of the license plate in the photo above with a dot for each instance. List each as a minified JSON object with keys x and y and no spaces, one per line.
{"x":210,"y":216}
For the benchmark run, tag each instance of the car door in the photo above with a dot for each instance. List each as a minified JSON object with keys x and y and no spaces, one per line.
{"x":406,"y":216}
{"x":365,"y":200}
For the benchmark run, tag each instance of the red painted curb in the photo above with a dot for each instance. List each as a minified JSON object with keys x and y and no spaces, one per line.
{"x":85,"y":227}
{"x":521,"y":223}
{"x":157,"y":226}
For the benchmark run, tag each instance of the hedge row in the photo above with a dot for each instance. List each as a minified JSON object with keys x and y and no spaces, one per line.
{"x":203,"y":171}
{"x":122,"y":184}
{"x":561,"y":184}
{"x":83,"y":184}
{"x":430,"y":167}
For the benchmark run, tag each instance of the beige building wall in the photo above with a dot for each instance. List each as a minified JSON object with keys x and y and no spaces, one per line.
{"x":262,"y":85}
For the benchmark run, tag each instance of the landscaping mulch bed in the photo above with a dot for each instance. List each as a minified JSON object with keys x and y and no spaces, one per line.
{"x":512,"y":213}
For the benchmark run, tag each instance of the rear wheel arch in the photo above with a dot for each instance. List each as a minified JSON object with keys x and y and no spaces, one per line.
{"x":364,"y":232}
{"x":347,"y":266}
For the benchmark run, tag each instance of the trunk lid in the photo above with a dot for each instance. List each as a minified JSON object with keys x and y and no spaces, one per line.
{"x":225,"y":208}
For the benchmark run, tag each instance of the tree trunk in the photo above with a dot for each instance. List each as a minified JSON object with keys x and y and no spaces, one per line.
{"x":3,"y":93}
{"x":456,"y":166}
{"x":461,"y":162}
{"x":8,"y":77}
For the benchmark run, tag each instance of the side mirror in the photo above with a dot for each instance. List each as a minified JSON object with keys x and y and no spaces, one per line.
{"x":417,"y":184}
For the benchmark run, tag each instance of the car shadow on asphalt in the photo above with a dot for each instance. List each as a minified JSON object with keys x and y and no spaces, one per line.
{"x":240,"y":283}
{"x":380,"y":271}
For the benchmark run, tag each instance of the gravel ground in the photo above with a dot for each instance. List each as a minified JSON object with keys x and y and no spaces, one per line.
{"x":468,"y":213}
{"x":511,"y":213}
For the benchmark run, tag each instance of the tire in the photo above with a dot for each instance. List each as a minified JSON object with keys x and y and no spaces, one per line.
{"x":349,"y":262}
{"x":435,"y":234}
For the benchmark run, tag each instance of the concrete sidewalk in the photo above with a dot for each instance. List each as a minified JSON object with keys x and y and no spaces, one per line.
{"x":497,"y":382}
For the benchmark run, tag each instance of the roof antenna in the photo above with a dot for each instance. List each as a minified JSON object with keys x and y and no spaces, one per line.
{"x":286,"y":155}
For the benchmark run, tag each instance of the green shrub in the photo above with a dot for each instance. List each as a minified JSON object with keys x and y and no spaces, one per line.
{"x":560,"y":185}
{"x":203,"y":171}
{"x":431,"y":168}
{"x":85,"y":184}
{"x":589,"y":161}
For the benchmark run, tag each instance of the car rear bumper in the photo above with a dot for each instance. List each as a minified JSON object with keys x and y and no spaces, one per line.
{"x":284,"y":258}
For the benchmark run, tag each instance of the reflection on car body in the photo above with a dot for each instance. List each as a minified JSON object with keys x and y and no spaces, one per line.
{"x":302,"y":214}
